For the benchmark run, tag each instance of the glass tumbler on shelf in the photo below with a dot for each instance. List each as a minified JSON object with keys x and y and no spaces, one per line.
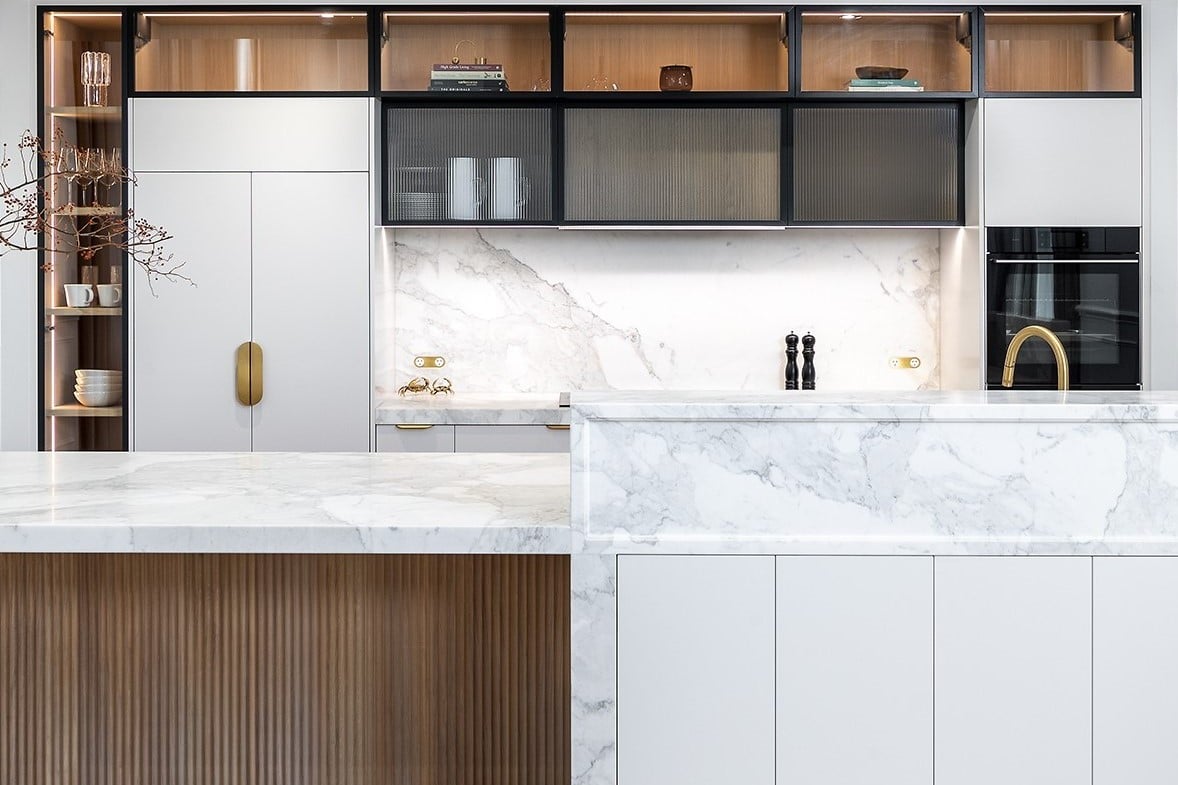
{"x":95,"y":78}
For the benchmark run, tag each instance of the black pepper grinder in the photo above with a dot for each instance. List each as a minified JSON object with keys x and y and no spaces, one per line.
{"x":807,"y":362}
{"x":791,"y":361}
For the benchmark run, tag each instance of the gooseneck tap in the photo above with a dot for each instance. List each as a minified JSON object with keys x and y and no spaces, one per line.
{"x":1052,"y":340}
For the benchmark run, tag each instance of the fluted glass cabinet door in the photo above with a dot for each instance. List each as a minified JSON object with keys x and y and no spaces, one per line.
{"x":877,"y":164}
{"x":476,"y":165}
{"x":672,"y":165}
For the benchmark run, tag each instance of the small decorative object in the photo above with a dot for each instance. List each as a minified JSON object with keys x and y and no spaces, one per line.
{"x":478,"y":60}
{"x":95,"y":78}
{"x":675,"y":78}
{"x":791,"y":361}
{"x":880,"y":72}
{"x":601,"y":82}
{"x":441,"y":386}
{"x":418,"y":384}
{"x":808,"y":361}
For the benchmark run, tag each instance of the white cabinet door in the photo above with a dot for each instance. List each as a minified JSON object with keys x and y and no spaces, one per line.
{"x":1013,"y":670}
{"x":510,"y":438}
{"x":186,"y":337}
{"x":695,"y":670}
{"x":855,"y":670}
{"x":1062,"y":161}
{"x":1135,"y":670}
{"x":310,"y":310}
{"x":432,"y":438}
{"x":244,"y":134}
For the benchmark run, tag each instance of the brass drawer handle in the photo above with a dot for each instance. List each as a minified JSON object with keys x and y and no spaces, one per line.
{"x":558,"y":426}
{"x":412,"y":426}
{"x":249,"y":373}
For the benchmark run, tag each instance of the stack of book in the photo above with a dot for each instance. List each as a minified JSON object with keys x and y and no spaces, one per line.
{"x":467,"y":78}
{"x":885,"y":86}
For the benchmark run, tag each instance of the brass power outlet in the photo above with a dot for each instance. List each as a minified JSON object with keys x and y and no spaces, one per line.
{"x":429,"y":362}
{"x":910,"y":363}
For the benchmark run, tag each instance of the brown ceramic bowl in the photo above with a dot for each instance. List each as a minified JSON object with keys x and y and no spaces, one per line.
{"x":880,"y":72}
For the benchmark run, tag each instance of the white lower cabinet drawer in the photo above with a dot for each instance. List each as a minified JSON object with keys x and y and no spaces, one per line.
{"x":415,"y":438}
{"x":510,"y":438}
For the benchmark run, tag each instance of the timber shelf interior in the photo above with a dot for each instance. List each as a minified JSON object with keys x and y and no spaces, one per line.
{"x":1060,"y":51}
{"x":77,"y":193}
{"x":414,"y":43}
{"x":932,"y":49}
{"x":727,"y":52}
{"x":271,"y":51}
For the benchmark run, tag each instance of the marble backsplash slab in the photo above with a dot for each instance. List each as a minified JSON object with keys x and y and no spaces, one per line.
{"x":539,"y":310}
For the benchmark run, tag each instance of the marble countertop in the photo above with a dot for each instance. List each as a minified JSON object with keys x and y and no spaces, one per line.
{"x":284,"y":503}
{"x":923,"y":406}
{"x":473,"y":409}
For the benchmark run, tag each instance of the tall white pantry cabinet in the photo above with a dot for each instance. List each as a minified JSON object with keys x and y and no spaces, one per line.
{"x":268,"y":203}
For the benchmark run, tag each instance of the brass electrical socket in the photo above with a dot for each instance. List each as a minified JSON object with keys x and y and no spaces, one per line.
{"x":909,"y":363}
{"x":429,"y":362}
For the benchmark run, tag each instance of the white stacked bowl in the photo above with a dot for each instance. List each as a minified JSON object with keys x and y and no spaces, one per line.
{"x":97,"y":387}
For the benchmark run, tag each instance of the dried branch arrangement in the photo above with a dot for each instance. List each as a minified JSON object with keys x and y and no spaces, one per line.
{"x":38,"y":213}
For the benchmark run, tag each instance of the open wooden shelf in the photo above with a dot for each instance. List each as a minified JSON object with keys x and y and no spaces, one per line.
{"x":1059,"y":52}
{"x":71,"y":209}
{"x":930,"y":45}
{"x":727,"y":52}
{"x":95,"y":310}
{"x":252,"y":52}
{"x":520,"y":42}
{"x":87,"y":112}
{"x":78,"y":410}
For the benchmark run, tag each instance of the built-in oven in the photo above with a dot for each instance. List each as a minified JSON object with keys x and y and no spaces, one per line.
{"x":1083,"y":284}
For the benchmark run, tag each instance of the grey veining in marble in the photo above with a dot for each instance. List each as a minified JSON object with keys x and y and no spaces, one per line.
{"x":534,"y":310}
{"x":284,"y":503}
{"x":943,"y":473}
{"x":473,"y":409}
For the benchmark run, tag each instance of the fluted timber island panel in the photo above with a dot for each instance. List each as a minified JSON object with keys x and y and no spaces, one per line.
{"x":117,"y":669}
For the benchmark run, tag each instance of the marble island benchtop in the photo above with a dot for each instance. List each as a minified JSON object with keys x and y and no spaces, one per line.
{"x":651,"y":472}
{"x":996,"y":472}
{"x":284,"y":503}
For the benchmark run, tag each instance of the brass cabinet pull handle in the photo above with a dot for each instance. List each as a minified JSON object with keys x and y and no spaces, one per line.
{"x":558,"y":426}
{"x":412,"y":426}
{"x":249,"y":373}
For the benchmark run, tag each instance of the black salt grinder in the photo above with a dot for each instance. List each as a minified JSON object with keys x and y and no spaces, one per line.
{"x":791,"y":361}
{"x":807,"y":362}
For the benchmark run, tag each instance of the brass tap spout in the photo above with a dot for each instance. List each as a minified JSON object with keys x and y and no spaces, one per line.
{"x":1021,"y":337}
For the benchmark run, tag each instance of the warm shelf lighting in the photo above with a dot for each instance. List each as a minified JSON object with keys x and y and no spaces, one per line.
{"x":850,"y":17}
{"x":249,"y":15}
{"x":1062,"y":15}
{"x":888,"y":14}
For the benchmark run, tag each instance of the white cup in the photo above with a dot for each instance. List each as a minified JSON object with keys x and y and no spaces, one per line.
{"x":463,"y":189}
{"x":509,"y":189}
{"x":110,"y":294}
{"x":79,"y":295}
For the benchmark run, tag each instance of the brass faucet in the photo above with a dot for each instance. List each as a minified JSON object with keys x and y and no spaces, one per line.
{"x":1021,"y":337}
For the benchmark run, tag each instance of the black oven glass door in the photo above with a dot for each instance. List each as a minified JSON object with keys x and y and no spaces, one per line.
{"x":1093,"y":306}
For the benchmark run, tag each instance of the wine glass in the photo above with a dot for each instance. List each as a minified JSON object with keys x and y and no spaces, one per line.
{"x":111,"y":173}
{"x":83,"y":171}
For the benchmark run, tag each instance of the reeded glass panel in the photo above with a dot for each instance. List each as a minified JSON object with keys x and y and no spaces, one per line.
{"x":478,"y":165}
{"x":1051,"y":52}
{"x":886,"y":52}
{"x":876,"y":164}
{"x":212,"y":51}
{"x":697,"y":164}
{"x":723,"y":52}
{"x":496,"y":52}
